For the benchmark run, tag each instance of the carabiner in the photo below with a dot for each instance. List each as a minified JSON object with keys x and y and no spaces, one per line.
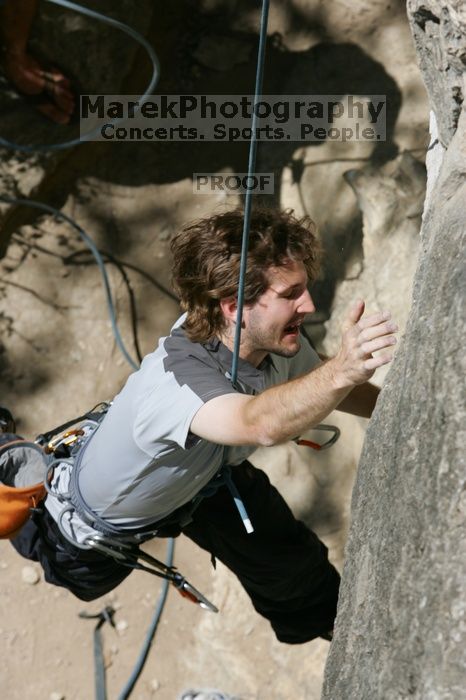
{"x":185,"y":589}
{"x":317,"y":446}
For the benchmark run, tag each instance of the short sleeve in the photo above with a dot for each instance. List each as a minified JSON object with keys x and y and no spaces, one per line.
{"x":165,"y":414}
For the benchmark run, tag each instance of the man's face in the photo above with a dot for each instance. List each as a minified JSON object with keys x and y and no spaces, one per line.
{"x":272,"y":323}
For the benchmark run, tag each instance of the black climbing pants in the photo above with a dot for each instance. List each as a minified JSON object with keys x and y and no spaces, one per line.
{"x":282,"y":565}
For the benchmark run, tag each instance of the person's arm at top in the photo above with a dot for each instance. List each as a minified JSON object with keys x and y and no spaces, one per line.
{"x":286,"y":410}
{"x":16,"y":19}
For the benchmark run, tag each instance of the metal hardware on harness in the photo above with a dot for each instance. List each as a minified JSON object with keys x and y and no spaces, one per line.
{"x":315,"y":445}
{"x":128,"y":555}
{"x":69,"y":438}
{"x":96,"y":415}
{"x":188,"y":591}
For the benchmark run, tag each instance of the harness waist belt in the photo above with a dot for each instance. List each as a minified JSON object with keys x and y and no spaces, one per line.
{"x":181,"y":517}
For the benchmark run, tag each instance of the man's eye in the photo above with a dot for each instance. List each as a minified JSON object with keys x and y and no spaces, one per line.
{"x":293,"y":294}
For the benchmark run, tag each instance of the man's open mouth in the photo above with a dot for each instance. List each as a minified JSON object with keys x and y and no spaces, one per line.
{"x":293,"y":328}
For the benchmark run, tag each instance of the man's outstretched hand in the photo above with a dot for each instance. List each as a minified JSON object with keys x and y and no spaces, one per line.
{"x":361,"y":337}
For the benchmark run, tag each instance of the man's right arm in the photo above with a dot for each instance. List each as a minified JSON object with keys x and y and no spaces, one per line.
{"x":286,"y":410}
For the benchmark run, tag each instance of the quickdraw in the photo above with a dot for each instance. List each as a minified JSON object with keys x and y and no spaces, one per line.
{"x":129,"y":555}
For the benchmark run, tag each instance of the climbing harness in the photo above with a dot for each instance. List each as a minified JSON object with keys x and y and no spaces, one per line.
{"x":67,"y":449}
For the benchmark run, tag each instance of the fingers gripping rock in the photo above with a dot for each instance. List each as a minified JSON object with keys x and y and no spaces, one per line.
{"x":362,"y":336}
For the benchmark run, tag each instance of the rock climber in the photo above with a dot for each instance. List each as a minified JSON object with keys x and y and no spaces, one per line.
{"x":179,"y":421}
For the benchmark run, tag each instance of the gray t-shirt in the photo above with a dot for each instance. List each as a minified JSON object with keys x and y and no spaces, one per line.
{"x":143,"y":462}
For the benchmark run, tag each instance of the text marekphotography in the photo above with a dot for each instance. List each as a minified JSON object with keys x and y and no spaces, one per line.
{"x":233,"y":118}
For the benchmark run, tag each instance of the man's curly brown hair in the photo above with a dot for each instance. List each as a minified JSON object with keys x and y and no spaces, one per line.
{"x":207,"y":261}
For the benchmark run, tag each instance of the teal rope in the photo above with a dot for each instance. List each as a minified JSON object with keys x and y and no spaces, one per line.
{"x":248,"y":198}
{"x":125,"y":693}
{"x":98,"y":258}
{"x":111,"y":309}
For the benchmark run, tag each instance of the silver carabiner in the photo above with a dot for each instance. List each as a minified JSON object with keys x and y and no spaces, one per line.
{"x":106,"y":546}
{"x":188,"y":591}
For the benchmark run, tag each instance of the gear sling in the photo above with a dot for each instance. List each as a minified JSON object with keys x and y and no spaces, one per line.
{"x":26,"y":476}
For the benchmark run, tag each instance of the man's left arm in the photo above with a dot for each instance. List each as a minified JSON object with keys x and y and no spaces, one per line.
{"x":361,"y":400}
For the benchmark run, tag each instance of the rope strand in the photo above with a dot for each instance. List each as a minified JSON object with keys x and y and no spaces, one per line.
{"x":248,"y":198}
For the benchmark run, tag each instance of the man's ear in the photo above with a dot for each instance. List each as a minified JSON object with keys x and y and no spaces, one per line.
{"x":229,"y":307}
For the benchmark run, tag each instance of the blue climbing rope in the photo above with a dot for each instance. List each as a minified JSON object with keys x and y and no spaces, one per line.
{"x":97,"y":256}
{"x":248,"y":197}
{"x":41,"y":148}
{"x":131,"y":682}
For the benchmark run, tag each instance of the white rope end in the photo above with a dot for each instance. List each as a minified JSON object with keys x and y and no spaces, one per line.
{"x":248,"y":525}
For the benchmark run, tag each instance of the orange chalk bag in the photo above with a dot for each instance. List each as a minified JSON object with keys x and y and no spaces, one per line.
{"x":23,"y":466}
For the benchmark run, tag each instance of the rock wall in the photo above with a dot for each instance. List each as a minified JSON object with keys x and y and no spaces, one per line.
{"x":391,"y":200}
{"x":401,"y":629}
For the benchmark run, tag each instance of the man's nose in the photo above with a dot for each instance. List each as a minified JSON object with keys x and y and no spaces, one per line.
{"x":306,"y":305}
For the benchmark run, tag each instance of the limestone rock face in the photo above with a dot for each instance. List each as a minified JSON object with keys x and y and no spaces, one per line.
{"x":391,"y":200}
{"x":401,"y":629}
{"x":439,"y":31}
